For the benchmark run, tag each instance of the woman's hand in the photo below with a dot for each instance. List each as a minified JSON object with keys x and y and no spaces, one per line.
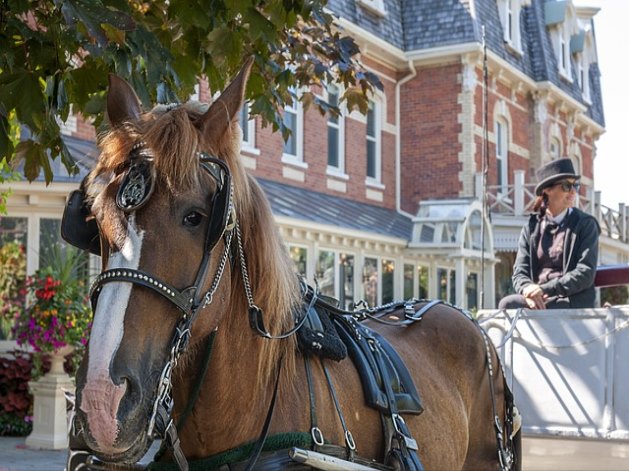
{"x":534,"y":296}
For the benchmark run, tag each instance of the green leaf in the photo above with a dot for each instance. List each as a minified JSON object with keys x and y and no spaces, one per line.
{"x":260,"y":26}
{"x":224,"y":43}
{"x":22,"y":91}
{"x":93,"y":14}
{"x":6,"y":145}
{"x":33,"y":156}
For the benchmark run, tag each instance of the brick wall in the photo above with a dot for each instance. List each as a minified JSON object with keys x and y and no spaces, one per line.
{"x":429,"y":129}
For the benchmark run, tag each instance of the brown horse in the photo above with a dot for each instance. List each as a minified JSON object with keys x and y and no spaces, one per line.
{"x":195,"y":269}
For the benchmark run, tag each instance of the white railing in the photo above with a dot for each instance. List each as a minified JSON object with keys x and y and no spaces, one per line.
{"x":518,"y":200}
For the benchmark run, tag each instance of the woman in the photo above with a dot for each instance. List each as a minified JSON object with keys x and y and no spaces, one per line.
{"x":558,"y":248}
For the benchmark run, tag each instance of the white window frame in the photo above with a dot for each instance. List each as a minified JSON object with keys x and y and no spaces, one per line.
{"x":509,"y":12}
{"x":374,"y":6}
{"x":377,"y":140}
{"x":449,"y":273}
{"x":296,"y":159}
{"x":554,"y":140}
{"x":249,"y":129}
{"x":502,"y":157}
{"x":338,"y":170}
{"x":290,"y":246}
{"x":561,"y":34}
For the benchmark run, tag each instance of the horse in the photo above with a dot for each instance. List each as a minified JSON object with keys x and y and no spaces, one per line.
{"x":196,"y":313}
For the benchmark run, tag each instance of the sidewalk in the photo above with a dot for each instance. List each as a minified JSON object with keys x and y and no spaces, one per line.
{"x":16,"y":456}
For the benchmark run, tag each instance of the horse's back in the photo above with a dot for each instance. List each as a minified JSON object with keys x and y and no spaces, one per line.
{"x":445,"y":353}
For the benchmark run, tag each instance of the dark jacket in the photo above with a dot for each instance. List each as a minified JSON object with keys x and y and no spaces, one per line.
{"x":580,"y":258}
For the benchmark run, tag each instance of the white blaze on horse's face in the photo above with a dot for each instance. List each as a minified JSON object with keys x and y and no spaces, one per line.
{"x":101,"y":397}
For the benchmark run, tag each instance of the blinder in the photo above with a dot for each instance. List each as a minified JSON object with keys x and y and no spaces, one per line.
{"x":79,"y":228}
{"x":139,"y":182}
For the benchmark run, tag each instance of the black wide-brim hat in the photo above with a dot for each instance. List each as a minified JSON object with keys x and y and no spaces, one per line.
{"x":553,"y":172}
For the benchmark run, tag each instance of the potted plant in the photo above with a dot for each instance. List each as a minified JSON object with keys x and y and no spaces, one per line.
{"x":57,"y":316}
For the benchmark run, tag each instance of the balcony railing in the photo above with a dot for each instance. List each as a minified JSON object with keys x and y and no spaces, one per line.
{"x":518,"y":200}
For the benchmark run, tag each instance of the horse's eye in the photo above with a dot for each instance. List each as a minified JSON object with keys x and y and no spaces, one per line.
{"x":192,"y":219}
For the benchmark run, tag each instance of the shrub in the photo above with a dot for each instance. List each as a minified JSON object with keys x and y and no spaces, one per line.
{"x":16,"y":403}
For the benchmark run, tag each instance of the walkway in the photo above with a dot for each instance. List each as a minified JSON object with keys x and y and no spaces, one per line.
{"x":15,"y":456}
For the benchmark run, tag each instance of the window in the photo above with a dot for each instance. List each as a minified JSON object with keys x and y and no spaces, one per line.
{"x":502,"y":152}
{"x":335,"y":276}
{"x":325,"y":273}
{"x":388,"y":281}
{"x":409,"y":281}
{"x":373,"y":6}
{"x":346,"y":277}
{"x":582,"y":45}
{"x":446,"y":284}
{"x":422,"y":282}
{"x":293,"y":121}
{"x":373,"y":142}
{"x":509,"y":12}
{"x":13,"y":240}
{"x":555,"y":147}
{"x":471,"y":289}
{"x":53,"y":250}
{"x":370,"y":280}
{"x":248,"y":127}
{"x":564,"y":54}
{"x":299,"y":255}
{"x":336,"y":131}
{"x":561,"y":18}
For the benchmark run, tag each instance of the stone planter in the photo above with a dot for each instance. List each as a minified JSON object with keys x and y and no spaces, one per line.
{"x":50,"y":423}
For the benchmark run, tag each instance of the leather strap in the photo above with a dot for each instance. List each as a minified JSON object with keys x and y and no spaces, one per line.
{"x":182,"y":299}
{"x":255,"y":454}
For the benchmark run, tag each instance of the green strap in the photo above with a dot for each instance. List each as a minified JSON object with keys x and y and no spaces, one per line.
{"x":282,"y":441}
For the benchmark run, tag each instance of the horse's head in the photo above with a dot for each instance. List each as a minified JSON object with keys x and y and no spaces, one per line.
{"x":161,"y":194}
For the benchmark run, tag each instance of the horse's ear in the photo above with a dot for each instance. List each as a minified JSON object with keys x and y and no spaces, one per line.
{"x":215,"y":121}
{"x":122,"y":102}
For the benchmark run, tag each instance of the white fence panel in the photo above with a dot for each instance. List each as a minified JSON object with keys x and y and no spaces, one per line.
{"x":568,"y":369}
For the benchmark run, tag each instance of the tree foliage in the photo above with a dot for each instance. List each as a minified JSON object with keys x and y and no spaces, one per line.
{"x":56,"y":55}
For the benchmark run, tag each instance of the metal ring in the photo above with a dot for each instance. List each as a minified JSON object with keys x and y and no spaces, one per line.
{"x":317,"y":436}
{"x":349,"y":439}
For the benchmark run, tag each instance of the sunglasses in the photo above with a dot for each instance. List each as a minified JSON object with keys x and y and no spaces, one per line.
{"x":568,"y":186}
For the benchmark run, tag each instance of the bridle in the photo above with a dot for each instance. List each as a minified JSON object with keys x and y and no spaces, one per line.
{"x":137,"y":186}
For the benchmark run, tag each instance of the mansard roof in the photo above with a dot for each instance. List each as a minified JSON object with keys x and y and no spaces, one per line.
{"x":416,"y":25}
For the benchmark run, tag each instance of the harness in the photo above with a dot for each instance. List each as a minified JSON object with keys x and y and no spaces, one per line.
{"x":387,"y":385}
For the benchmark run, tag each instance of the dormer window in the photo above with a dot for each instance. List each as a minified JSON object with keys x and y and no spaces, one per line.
{"x":560,"y":16}
{"x":509,"y":11}
{"x":375,"y":7}
{"x":582,"y":46}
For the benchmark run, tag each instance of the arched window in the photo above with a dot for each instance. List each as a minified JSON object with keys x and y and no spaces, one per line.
{"x":554,"y":148}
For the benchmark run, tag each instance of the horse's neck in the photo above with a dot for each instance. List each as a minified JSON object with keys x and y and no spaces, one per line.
{"x":232,"y":402}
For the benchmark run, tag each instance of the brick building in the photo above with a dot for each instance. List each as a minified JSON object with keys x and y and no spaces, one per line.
{"x":394,"y":204}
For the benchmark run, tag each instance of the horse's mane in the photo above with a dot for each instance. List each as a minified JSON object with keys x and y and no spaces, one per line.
{"x":172,"y":135}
